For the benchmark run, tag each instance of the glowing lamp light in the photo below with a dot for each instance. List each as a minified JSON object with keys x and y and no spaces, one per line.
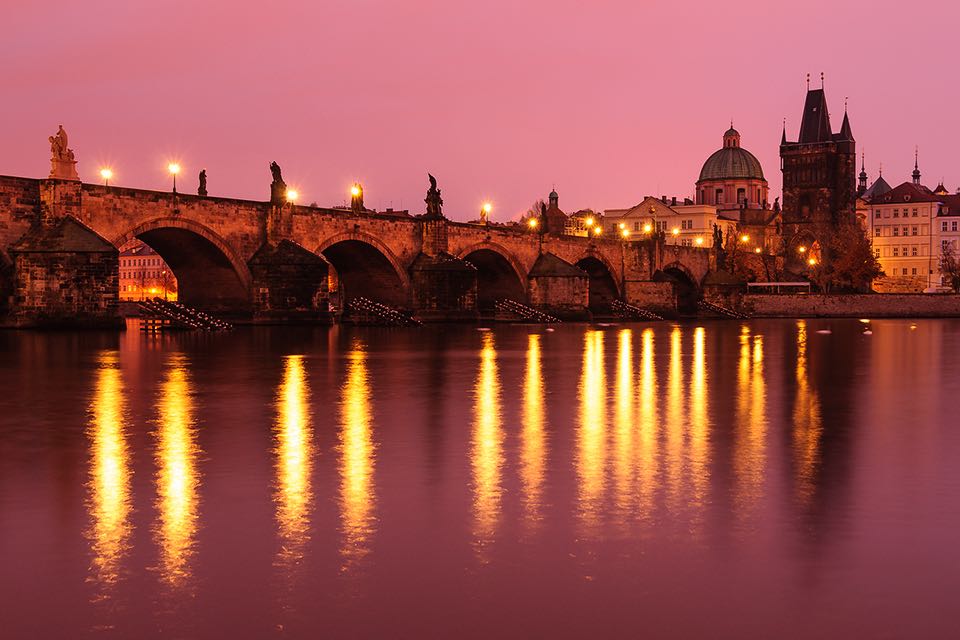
{"x":106,"y":174}
{"x":812,"y":262}
{"x":623,"y":225}
{"x":597,"y":230}
{"x":802,"y":249}
{"x":487,"y":207}
{"x":699,"y":241}
{"x":744,"y":238}
{"x":647,"y":228}
{"x":625,"y":233}
{"x":173,"y":168}
{"x":533,"y":223}
{"x":675,"y":231}
{"x":589,"y":222}
{"x":292,"y":195}
{"x":757,"y":250}
{"x":354,"y":191}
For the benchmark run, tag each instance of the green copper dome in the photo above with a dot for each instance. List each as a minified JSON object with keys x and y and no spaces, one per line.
{"x":731,"y":162}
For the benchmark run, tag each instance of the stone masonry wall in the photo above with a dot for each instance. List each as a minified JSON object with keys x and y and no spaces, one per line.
{"x":659,"y":297}
{"x":850,"y":305}
{"x":80,"y":289}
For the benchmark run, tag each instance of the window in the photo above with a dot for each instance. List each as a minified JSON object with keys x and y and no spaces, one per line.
{"x":877,"y":232}
{"x":636,"y":226}
{"x":914,"y":271}
{"x":953,"y":226}
{"x":916,"y":230}
{"x":896,"y":231}
{"x":914,"y":213}
{"x":896,"y":252}
{"x":896,"y":213}
{"x":876,"y":213}
{"x":718,"y":198}
{"x":913,"y":252}
{"x":943,"y":226}
{"x":876,"y":253}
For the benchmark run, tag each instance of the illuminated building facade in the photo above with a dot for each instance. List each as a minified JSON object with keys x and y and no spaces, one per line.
{"x":144,"y":274}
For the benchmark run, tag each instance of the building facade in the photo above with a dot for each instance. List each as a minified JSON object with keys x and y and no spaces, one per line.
{"x":732,"y":179}
{"x":685,"y":224}
{"x":144,"y":274}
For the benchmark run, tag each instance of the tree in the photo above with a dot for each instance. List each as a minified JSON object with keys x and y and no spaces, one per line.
{"x":950,"y":266}
{"x":849,"y":263}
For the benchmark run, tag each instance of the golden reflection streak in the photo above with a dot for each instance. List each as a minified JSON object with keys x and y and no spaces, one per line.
{"x":357,"y":454}
{"x":807,"y":421}
{"x":749,"y":453}
{"x":699,"y":446}
{"x":294,"y":452}
{"x":674,"y":418}
{"x":624,"y":468}
{"x":109,"y":482}
{"x":533,"y":438}
{"x":648,"y":424}
{"x":177,"y":477}
{"x":487,"y":446}
{"x":591,"y":454}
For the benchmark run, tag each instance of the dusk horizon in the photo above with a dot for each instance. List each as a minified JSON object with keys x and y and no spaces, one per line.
{"x":607,"y":104}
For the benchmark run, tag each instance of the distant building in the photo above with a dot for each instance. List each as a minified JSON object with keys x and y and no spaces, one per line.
{"x":908,"y":226}
{"x":144,"y":274}
{"x":685,"y":223}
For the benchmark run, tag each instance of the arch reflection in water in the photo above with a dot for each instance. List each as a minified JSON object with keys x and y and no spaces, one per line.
{"x":591,"y":433}
{"x":487,"y":446}
{"x":177,"y":475}
{"x":294,"y":451}
{"x":807,"y":422}
{"x":533,"y":438}
{"x":109,"y":473}
{"x":357,"y":454}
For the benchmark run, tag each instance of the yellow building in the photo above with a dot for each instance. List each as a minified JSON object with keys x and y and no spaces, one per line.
{"x":144,"y":274}
{"x":685,"y":224}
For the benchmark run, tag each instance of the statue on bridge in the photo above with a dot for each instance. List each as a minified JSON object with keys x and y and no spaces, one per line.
{"x":433,"y":200}
{"x":63,"y":164}
{"x":202,"y":189}
{"x":278,"y":188}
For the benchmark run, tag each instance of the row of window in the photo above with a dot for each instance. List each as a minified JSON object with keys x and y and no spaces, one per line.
{"x":951,"y":223}
{"x":896,"y":213}
{"x":900,"y":251}
{"x":139,"y":262}
{"x":136,"y":275}
{"x":899,"y":231}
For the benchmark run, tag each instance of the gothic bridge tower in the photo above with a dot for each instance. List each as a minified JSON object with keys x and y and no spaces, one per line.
{"x":819,"y":176}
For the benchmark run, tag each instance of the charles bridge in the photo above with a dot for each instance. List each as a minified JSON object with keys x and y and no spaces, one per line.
{"x":278,"y":261}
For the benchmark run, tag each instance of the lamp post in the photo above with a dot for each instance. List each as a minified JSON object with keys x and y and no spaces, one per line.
{"x":291,"y":195}
{"x":106,"y":174}
{"x":485,"y":210}
{"x":174,"y":169}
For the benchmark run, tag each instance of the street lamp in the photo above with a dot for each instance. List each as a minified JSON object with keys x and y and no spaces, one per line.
{"x":625,"y":233}
{"x":485,"y":212}
{"x":106,"y":174}
{"x":647,"y":228}
{"x":676,"y":232}
{"x":354,"y":191}
{"x":757,"y":250}
{"x":812,"y":262}
{"x":292,"y":195}
{"x":699,"y":240}
{"x":745,"y":238}
{"x":802,"y":249}
{"x":533,"y":223}
{"x":589,"y":222}
{"x":597,"y":230}
{"x":174,"y":169}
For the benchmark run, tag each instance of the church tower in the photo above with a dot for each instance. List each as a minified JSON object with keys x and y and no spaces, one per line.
{"x":819,"y":175}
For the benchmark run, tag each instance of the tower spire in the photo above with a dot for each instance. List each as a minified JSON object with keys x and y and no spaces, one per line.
{"x":783,"y":138}
{"x":862,"y":178}
{"x":916,"y":165}
{"x":808,"y":82}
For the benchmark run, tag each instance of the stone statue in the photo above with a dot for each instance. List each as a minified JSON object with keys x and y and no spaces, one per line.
{"x":433,"y":200}
{"x":278,"y":188}
{"x":544,"y":221}
{"x":202,"y":189}
{"x":776,"y":204}
{"x":717,"y":237}
{"x":63,"y":164}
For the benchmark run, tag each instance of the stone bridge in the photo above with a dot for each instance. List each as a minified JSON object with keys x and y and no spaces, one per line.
{"x":269,"y":260}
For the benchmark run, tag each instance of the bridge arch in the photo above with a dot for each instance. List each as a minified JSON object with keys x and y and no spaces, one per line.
{"x":499,"y":274}
{"x":684,"y":282}
{"x":210,"y":275}
{"x":365,"y":266}
{"x":603,"y":282}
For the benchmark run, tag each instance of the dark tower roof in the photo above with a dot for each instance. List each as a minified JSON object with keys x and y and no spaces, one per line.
{"x":877,"y":189}
{"x":845,"y":132}
{"x":731,"y":161}
{"x":815,"y":126}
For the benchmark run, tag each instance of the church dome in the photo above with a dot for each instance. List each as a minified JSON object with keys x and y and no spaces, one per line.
{"x":731,"y":162}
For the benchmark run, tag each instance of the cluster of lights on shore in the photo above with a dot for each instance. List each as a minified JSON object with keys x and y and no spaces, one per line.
{"x":593,"y":227}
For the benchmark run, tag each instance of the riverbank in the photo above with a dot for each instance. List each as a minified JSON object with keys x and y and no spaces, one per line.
{"x":866,"y":305}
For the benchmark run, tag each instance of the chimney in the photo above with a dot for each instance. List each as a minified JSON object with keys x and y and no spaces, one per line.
{"x":673,"y":201}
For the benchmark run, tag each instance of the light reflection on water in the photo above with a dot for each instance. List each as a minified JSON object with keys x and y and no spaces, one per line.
{"x":177,"y":476}
{"x":688,"y":480}
{"x":109,"y":483}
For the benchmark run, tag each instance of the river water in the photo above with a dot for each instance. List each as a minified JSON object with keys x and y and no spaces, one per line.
{"x":724,"y":479}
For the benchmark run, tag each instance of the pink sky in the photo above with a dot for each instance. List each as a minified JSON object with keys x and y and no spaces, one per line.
{"x":607,"y":100}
